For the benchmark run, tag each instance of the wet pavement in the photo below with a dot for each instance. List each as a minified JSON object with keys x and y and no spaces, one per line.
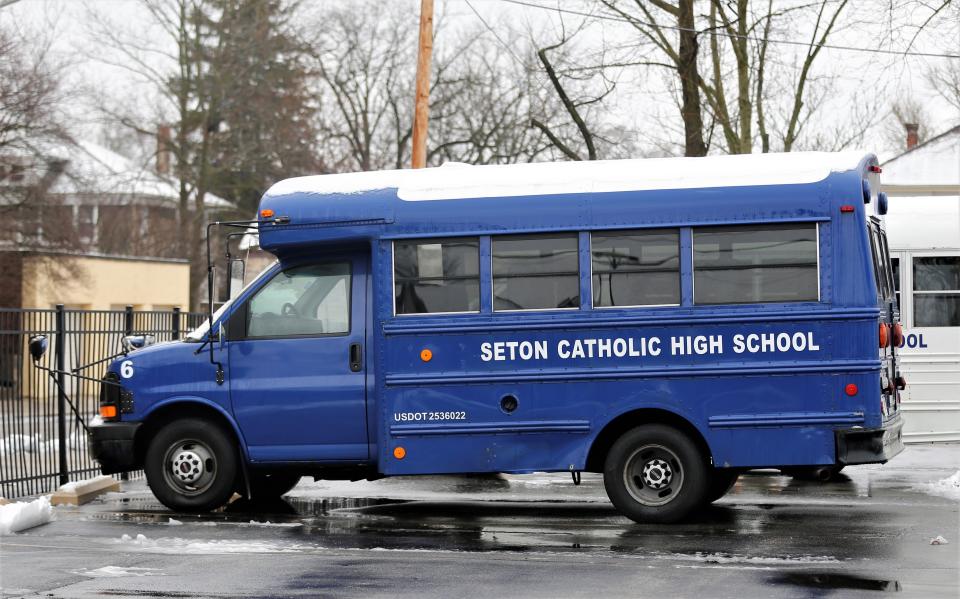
{"x":867,"y":533}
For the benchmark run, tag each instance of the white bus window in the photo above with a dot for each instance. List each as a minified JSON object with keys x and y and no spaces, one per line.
{"x":635,"y":268}
{"x":755,"y":263}
{"x":936,"y":291}
{"x":436,"y":275}
{"x":536,"y":272}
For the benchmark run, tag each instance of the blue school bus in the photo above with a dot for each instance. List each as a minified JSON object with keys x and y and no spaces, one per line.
{"x":669,"y":323}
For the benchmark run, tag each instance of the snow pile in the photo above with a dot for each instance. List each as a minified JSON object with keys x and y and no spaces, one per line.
{"x":948,"y":487}
{"x":730,"y":558}
{"x":173,"y":522}
{"x":178,"y":546}
{"x":273,"y":524}
{"x":15,"y":517}
{"x":118,"y":571}
{"x":939,"y":540}
{"x":12,"y":444}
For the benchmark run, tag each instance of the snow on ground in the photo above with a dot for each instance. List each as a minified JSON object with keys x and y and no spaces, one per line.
{"x":22,"y":515}
{"x":948,"y":487}
{"x":178,"y":546}
{"x":118,"y":571}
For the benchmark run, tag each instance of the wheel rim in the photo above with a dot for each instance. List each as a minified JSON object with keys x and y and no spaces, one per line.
{"x":653,"y":475}
{"x":189,"y":467}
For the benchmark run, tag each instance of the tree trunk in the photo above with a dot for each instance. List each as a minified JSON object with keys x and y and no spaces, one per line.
{"x":689,"y":77}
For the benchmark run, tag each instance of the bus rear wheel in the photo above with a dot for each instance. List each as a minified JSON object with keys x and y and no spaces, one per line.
{"x":192,"y":465}
{"x":655,"y":473}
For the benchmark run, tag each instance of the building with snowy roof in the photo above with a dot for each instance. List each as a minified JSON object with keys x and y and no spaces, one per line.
{"x":94,"y":229}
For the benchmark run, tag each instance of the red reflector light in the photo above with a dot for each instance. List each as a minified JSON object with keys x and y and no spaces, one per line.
{"x":850,"y":389}
{"x":884,"y":335}
{"x":897,"y":335}
{"x":847,"y":208}
{"x":874,"y":169}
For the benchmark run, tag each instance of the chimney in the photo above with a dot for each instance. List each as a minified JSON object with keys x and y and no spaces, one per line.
{"x":163,"y":149}
{"x":913,"y":137}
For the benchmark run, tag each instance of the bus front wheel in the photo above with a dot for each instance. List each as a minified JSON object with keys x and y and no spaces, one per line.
{"x":655,"y":473}
{"x":192,"y":465}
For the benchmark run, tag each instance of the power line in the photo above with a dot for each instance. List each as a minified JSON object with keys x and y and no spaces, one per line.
{"x":491,"y":30}
{"x":633,"y":21}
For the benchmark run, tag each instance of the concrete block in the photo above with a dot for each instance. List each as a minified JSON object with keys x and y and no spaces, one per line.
{"x":84,"y":491}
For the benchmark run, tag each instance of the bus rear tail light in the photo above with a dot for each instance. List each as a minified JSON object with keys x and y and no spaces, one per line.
{"x":851,"y":389}
{"x":897,"y":335}
{"x":873,"y":168}
{"x":884,"y":335}
{"x":847,"y":208}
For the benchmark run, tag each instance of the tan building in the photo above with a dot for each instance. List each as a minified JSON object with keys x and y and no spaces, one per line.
{"x":104,"y":282}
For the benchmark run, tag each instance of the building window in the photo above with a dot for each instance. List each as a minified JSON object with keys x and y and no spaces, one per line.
{"x":436,"y":275}
{"x":302,"y":301}
{"x":536,"y":272}
{"x":936,"y":291}
{"x":635,"y":268}
{"x":756,"y":263}
{"x":895,"y":265}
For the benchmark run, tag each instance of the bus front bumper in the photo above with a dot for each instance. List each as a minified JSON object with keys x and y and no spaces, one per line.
{"x":870,"y":446}
{"x":112,"y":445}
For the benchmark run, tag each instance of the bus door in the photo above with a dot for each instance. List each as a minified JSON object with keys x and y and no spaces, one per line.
{"x":296,"y":369}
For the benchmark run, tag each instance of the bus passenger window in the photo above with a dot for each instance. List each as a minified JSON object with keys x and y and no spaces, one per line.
{"x":302,"y":301}
{"x":936,"y":291}
{"x":536,"y":272}
{"x":436,"y":275}
{"x":755,"y":263}
{"x":895,"y":265}
{"x":635,"y":268}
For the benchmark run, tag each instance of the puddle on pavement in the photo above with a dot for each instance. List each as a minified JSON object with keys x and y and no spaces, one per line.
{"x":833,"y":581}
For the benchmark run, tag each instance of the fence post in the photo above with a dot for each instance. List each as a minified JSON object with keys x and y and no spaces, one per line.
{"x":128,"y":320}
{"x":61,"y":333}
{"x":176,"y":323}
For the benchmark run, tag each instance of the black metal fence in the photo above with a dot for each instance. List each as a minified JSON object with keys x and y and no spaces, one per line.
{"x":42,"y":442}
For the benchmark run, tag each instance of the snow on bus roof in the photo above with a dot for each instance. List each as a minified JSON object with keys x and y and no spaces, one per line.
{"x":459,"y":181}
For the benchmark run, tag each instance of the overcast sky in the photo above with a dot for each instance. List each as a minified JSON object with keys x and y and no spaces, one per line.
{"x":642,"y":95}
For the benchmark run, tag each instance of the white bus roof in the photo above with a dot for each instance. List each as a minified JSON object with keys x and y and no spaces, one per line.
{"x":457,"y":181}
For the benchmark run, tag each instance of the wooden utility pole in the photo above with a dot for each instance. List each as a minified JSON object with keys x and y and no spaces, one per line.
{"x":421,"y":113}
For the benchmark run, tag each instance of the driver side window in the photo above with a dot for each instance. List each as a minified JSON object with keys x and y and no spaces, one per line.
{"x":305,"y":300}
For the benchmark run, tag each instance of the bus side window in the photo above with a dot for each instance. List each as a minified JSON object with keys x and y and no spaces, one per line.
{"x":536,"y":272}
{"x":436,"y":275}
{"x":936,"y":291}
{"x":636,"y":268}
{"x":755,"y":263}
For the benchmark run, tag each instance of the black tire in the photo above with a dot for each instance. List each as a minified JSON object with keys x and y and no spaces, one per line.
{"x":820,"y":474}
{"x":206,"y":462}
{"x":268,"y":486}
{"x":721,"y":481}
{"x":655,"y":473}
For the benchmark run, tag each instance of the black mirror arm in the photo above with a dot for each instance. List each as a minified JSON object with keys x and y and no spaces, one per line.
{"x":101,"y":361}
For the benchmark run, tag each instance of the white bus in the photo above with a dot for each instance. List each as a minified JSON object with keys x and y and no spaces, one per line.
{"x":923,"y":228}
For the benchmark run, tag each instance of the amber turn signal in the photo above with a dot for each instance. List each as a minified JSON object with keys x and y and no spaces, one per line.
{"x":108,"y":411}
{"x":266,"y":213}
{"x":399,"y":453}
{"x":426,"y":355}
{"x":884,"y":335}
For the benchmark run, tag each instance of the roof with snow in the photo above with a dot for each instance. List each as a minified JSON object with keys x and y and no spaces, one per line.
{"x":547,"y":178}
{"x":934,"y":162}
{"x":93,"y":169}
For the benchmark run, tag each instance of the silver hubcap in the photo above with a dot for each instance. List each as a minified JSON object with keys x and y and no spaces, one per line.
{"x":190,"y":467}
{"x":653,"y":475}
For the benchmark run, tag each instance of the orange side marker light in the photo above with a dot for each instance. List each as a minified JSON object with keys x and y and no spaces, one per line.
{"x":426,"y":355}
{"x":108,"y":411}
{"x":399,"y":453}
{"x":266,"y":213}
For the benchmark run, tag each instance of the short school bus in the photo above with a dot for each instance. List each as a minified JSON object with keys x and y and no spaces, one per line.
{"x":667,"y":322}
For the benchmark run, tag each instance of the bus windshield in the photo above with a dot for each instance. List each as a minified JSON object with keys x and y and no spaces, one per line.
{"x":197,"y":334}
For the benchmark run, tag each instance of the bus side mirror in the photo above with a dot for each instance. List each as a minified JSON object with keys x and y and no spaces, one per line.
{"x":237,"y":269}
{"x":132,"y":342}
{"x":38,"y":347}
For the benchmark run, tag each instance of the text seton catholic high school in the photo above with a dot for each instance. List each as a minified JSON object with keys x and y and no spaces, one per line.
{"x":635,"y":347}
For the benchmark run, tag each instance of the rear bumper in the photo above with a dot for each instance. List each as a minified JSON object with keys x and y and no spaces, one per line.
{"x":870,"y":446}
{"x":112,"y":445}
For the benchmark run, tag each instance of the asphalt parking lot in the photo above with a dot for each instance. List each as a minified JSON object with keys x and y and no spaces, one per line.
{"x":867,"y":533}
